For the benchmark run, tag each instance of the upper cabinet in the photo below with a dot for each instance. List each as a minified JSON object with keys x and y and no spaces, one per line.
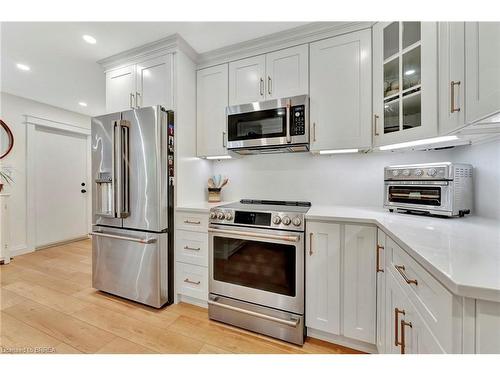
{"x":211,"y":103}
{"x":482,"y":61}
{"x":140,"y":85}
{"x":340,"y":92}
{"x":274,"y":75}
{"x":404,"y":81}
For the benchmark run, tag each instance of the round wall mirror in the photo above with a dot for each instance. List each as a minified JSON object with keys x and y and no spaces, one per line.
{"x":6,"y":140}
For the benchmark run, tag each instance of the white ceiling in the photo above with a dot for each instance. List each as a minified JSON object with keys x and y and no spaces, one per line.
{"x":64,"y":69}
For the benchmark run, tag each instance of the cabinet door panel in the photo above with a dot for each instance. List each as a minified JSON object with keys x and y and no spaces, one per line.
{"x":381,"y":275}
{"x":340,"y":92}
{"x":359,"y":283}
{"x":323,"y":277}
{"x":287,"y":72}
{"x":482,"y":57}
{"x":120,"y":88}
{"x":211,"y":103}
{"x":154,"y":82}
{"x":246,"y":80}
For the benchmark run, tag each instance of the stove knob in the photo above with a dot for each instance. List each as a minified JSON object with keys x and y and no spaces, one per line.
{"x":418,"y":172}
{"x":296,"y":221}
{"x":432,"y":172}
{"x":286,"y":220}
{"x":213,"y":215}
{"x":220,"y":216}
{"x":229,"y":216}
{"x":406,"y":172}
{"x":395,"y":172}
{"x":276,"y":220}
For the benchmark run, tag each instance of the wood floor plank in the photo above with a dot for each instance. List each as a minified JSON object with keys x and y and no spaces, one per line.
{"x":65,"y":328}
{"x":123,"y":346}
{"x":210,"y":349}
{"x":9,"y":298}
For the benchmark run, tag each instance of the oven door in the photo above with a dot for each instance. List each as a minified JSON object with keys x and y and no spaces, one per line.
{"x":429,"y":196}
{"x":260,"y":266}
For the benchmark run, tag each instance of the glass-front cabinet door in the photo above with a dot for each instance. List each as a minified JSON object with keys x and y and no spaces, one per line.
{"x":404,"y":81}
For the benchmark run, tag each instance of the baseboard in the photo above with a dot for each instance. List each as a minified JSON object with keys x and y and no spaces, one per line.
{"x":341,"y":340}
{"x":60,"y":243}
{"x":191,"y":301}
{"x":19,"y":250}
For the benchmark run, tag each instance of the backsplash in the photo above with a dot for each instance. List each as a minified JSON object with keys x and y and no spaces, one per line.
{"x":351,"y":179}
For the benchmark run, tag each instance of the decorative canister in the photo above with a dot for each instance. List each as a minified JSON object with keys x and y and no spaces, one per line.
{"x":214,"y":194}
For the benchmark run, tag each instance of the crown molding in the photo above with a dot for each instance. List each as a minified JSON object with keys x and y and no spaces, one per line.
{"x":157,"y":48}
{"x":283,"y":39}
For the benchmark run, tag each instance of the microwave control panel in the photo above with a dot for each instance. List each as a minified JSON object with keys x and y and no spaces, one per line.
{"x":297,"y":123}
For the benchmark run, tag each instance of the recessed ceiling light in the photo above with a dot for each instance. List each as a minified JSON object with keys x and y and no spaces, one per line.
{"x":89,"y":39}
{"x":83,"y":104}
{"x":23,"y":67}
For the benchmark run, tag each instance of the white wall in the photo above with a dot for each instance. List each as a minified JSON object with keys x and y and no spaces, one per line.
{"x":351,"y":179}
{"x":13,"y":110}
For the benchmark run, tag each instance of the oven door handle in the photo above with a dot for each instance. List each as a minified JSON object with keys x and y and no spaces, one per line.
{"x":256,"y":234}
{"x":291,"y":323}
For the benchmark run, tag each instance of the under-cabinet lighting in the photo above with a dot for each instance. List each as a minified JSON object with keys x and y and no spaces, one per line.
{"x":409,"y":72}
{"x":420,"y":142}
{"x":89,"y":39}
{"x":23,"y":67}
{"x":218,"y":157}
{"x":344,"y":151}
{"x":82,"y":104}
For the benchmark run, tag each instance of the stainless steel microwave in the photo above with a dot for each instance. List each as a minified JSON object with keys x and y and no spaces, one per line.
{"x":279,"y":125}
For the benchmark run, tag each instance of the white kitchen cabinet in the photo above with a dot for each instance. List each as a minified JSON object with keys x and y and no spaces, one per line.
{"x":487,"y":327}
{"x":340,"y":92}
{"x":246,"y":80}
{"x":154,"y":82}
{"x":120,"y":89}
{"x":405,"y":81}
{"x":451,"y":76}
{"x":4,"y":229}
{"x":211,"y":102}
{"x":359,"y":283}
{"x":482,"y":62}
{"x":323,"y":277}
{"x":287,"y":72}
{"x":380,"y":270}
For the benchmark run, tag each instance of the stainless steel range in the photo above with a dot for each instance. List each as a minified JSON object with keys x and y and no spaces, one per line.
{"x":256,"y":265}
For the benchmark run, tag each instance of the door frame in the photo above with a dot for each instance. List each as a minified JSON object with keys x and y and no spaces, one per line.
{"x":32,"y":123}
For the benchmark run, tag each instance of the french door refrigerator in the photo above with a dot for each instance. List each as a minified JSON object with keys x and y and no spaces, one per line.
{"x":132,"y":204}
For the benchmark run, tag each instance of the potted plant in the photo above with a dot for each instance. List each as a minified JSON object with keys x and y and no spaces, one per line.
{"x":4,"y":177}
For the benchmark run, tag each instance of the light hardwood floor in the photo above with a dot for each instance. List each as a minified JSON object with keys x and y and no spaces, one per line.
{"x":48,"y":305}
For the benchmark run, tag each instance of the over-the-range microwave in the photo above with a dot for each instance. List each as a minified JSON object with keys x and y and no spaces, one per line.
{"x":279,"y":125}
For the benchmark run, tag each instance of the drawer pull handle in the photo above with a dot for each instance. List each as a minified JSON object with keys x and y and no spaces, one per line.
{"x":401,"y":270}
{"x":396,"y":325}
{"x":403,"y":339}
{"x":186,"y":280}
{"x":378,"y":258}
{"x":192,"y":222}
{"x":192,"y":248}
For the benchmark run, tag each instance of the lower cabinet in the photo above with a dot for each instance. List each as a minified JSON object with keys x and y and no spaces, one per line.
{"x":380,"y":269}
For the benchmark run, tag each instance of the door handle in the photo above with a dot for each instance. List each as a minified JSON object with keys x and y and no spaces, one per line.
{"x":83,"y":191}
{"x":261,"y":87}
{"x":224,"y":139}
{"x":401,"y":270}
{"x":192,"y":248}
{"x":255,"y":234}
{"x":122,"y":176}
{"x":269,"y":85}
{"x":314,"y":132}
{"x":375,"y":124}
{"x":186,"y":280}
{"x":310,"y":244}
{"x":396,"y":325}
{"x":452,"y":86}
{"x":403,"y":337}
{"x":137,"y":96}
{"x":378,"y":258}
{"x":288,"y":136}
{"x":131,"y":100}
{"x":145,"y":241}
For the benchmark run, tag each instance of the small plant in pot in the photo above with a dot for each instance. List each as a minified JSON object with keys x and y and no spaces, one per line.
{"x":4,"y":177}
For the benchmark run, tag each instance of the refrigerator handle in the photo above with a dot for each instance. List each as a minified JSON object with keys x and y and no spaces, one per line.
{"x":114,"y":199}
{"x":123,"y":170}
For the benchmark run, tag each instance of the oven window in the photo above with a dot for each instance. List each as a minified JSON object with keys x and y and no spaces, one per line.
{"x":254,"y":264}
{"x":255,"y":125}
{"x":428,"y":195}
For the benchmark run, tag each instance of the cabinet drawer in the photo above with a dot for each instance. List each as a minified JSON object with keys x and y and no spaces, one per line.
{"x":192,"y":221}
{"x":433,"y":301}
{"x":192,"y":281}
{"x":191,"y":247}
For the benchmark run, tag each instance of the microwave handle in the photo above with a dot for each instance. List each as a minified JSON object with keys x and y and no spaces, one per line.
{"x":288,"y":136}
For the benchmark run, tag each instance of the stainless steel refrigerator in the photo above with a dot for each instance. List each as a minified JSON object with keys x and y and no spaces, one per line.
{"x":132,"y":204}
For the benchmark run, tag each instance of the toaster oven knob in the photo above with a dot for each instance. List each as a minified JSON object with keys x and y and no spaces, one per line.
{"x":276,"y":220}
{"x":406,"y":172}
{"x":296,"y":221}
{"x":395,"y":172}
{"x":213,"y":215}
{"x":220,"y":216}
{"x":229,"y":216}
{"x":418,"y":172}
{"x":432,"y":172}
{"x":286,"y":220}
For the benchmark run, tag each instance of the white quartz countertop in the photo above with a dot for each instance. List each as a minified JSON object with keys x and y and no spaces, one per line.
{"x":199,"y":207}
{"x":462,"y":253}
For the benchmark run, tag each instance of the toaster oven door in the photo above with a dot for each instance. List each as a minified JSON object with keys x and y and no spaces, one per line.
{"x":418,"y":195}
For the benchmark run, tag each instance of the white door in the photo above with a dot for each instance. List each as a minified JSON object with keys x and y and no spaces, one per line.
{"x":451,"y":76}
{"x":120,"y":89}
{"x":211,"y":102}
{"x":359,"y":282}
{"x":323,"y":277}
{"x":482,"y":61}
{"x":405,"y":82}
{"x":287,"y":72}
{"x":380,"y":268}
{"x":340,"y":92}
{"x":154,"y":82}
{"x":60,"y":169}
{"x":246,"y":80}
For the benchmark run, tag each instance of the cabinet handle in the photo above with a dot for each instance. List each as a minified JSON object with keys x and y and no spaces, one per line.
{"x":375,"y":118}
{"x":192,"y":248}
{"x":186,"y":280}
{"x":452,"y":85}
{"x":396,"y":325}
{"x":269,"y":85}
{"x":314,"y":132}
{"x":131,"y":100}
{"x":378,"y":258}
{"x":192,"y":222}
{"x":403,"y":338}
{"x":310,"y":244}
{"x":137,"y":96}
{"x":401,"y":270}
{"x":224,"y":139}
{"x":261,"y":87}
